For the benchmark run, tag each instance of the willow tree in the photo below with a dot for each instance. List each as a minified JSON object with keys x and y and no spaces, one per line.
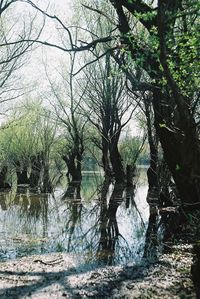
{"x":14,"y":47}
{"x":26,"y":142}
{"x":65,"y":97}
{"x":109,"y":108}
{"x":17,"y":29}
{"x":168,"y":55}
{"x":167,"y":51}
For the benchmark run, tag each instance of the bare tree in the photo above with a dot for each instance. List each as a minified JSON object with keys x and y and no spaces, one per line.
{"x":14,"y":47}
{"x":109,"y":108}
{"x":66,"y":107}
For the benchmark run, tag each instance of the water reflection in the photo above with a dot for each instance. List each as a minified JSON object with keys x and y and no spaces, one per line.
{"x":107,"y":225}
{"x":151,"y":240}
{"x":3,"y":202}
{"x":163,"y":226}
{"x":74,"y":205}
{"x":73,"y":191}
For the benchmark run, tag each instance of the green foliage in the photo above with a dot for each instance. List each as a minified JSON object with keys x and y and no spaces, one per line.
{"x":178,"y":167}
{"x":162,"y":125}
{"x":147,"y":16}
{"x":181,"y":45}
{"x":26,"y":133}
{"x":60,"y":247}
{"x":184,"y":62}
{"x":132,"y":151}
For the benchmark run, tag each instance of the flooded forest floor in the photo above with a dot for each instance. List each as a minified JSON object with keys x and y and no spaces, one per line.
{"x":55,"y":276}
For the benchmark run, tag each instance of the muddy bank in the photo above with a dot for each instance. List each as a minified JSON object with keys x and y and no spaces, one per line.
{"x":55,"y":276}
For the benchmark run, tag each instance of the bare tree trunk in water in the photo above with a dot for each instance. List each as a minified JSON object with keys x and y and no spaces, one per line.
{"x":3,"y":174}
{"x":105,"y":157}
{"x":116,"y":159}
{"x":22,"y":173}
{"x":36,"y":167}
{"x":73,"y":161}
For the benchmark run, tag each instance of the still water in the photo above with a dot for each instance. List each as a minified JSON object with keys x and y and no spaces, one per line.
{"x":94,"y":222}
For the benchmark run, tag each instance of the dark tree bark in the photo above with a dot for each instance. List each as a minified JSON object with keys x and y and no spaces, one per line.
{"x":22,"y":173}
{"x":3,"y":174}
{"x":73,"y":191}
{"x":36,"y":168}
{"x":22,"y":176}
{"x":181,"y":152}
{"x":174,"y":121}
{"x":152,"y":172}
{"x":73,"y":160}
{"x":116,"y":159}
{"x":151,"y":239}
{"x":109,"y":231}
{"x":130,"y":174}
{"x":74,"y":154}
{"x":46,"y":181}
{"x":105,"y":157}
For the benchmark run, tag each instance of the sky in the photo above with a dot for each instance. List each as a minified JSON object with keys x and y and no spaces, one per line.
{"x":32,"y":72}
{"x":34,"y":69}
{"x":32,"y":76}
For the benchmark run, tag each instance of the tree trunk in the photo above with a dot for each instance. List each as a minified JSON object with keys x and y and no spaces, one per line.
{"x":71,"y":167}
{"x":79,"y":157}
{"x":152,"y":172}
{"x":22,"y":176}
{"x":116,"y":160}
{"x":130,"y":174}
{"x":151,"y":239}
{"x":182,"y":140}
{"x":36,"y":167}
{"x":182,"y":154}
{"x":73,"y":161}
{"x":73,"y":191}
{"x":105,"y":157}
{"x":46,"y":182}
{"x":3,"y":174}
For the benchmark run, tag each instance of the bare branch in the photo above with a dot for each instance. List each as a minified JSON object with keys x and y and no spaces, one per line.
{"x":94,"y":60}
{"x":101,"y":13}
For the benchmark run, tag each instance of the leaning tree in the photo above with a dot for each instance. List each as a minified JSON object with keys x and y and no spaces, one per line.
{"x":168,"y":55}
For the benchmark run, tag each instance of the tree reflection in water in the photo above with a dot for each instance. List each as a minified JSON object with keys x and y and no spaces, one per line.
{"x":23,"y":224}
{"x":151,"y":241}
{"x":73,"y":196}
{"x":73,"y":191}
{"x":31,"y":206}
{"x":3,"y":204}
{"x":113,"y":245}
{"x":109,"y":231}
{"x":98,"y":228}
{"x":162,"y":227}
{"x":92,"y":228}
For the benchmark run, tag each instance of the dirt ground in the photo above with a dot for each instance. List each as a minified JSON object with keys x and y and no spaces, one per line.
{"x":55,"y":276}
